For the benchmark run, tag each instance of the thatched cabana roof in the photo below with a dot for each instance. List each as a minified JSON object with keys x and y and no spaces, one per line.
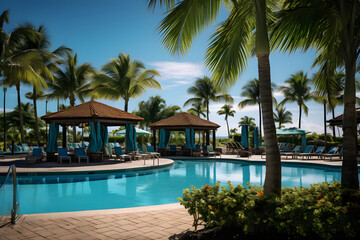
{"x":92,"y":111}
{"x":184,"y":120}
{"x":338,"y":121}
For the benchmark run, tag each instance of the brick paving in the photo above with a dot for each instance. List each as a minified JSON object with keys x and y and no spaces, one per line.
{"x":145,"y":223}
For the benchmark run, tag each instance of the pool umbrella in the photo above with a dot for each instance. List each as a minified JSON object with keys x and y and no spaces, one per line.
{"x":138,"y":132}
{"x":294,"y":131}
{"x":256,"y":138}
{"x":244,"y":136}
{"x":52,"y":138}
{"x":93,"y":142}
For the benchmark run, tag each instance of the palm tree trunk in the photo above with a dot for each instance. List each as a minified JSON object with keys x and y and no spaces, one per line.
{"x":325,"y":122}
{"x":272,"y":182}
{"x":349,"y":175}
{"x":207,"y":110}
{"x":260,"y":122}
{"x":21,"y":120}
{"x":334,"y":130}
{"x":227,"y":123}
{"x":37,"y":135}
{"x":126,"y":105}
{"x":72,"y":104}
{"x":300,"y":116}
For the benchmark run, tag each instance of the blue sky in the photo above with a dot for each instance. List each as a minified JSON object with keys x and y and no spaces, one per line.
{"x":99,"y":30}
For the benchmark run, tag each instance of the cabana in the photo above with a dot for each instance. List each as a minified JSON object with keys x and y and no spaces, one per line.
{"x":99,"y":117}
{"x":338,"y":121}
{"x":183,"y":122}
{"x":294,"y":131}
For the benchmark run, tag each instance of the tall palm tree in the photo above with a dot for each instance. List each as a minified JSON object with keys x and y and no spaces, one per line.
{"x":246,"y":120}
{"x":197,"y":109}
{"x":299,"y":91}
{"x":329,"y":87}
{"x":34,"y":95}
{"x":251,"y":91}
{"x":282,"y":116}
{"x":71,"y":82}
{"x":245,"y":28}
{"x":334,"y":30}
{"x":205,"y":91}
{"x":123,"y":78}
{"x":23,"y":62}
{"x":155,"y":109}
{"x":227,"y":111}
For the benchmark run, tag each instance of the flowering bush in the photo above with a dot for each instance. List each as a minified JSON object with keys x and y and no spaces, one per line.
{"x":322,"y":211}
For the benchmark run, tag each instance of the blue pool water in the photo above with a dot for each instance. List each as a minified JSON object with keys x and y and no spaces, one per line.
{"x":62,"y":193}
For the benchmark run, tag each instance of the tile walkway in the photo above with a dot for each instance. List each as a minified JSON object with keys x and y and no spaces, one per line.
{"x":155,"y":222}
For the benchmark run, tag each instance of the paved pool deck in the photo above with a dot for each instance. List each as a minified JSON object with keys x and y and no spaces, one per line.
{"x":153,"y":222}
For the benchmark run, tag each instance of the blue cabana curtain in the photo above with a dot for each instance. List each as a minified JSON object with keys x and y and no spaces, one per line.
{"x":105,"y":136}
{"x":131,"y":138}
{"x":93,"y":147}
{"x":256,"y":138}
{"x":52,"y":138}
{"x":164,"y":137}
{"x":244,"y":135}
{"x":99,"y":137}
{"x":190,"y":138}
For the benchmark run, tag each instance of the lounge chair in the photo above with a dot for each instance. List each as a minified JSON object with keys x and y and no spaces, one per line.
{"x":152,"y":151}
{"x":172,"y":149}
{"x":80,"y":154}
{"x":308,"y":150}
{"x":285,"y":147}
{"x":120,"y":155}
{"x":292,"y":153}
{"x":211,"y":152}
{"x":62,"y":155}
{"x":35,"y":157}
{"x":333,"y":153}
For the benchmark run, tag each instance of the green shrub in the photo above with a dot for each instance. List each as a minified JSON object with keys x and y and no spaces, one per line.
{"x":237,"y":137}
{"x":317,"y":212}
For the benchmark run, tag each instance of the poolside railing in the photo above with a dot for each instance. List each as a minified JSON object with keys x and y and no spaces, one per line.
{"x":9,"y":198}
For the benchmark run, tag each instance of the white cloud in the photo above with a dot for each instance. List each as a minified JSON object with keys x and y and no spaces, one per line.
{"x":6,"y":110}
{"x":278,"y":94}
{"x":186,"y":71}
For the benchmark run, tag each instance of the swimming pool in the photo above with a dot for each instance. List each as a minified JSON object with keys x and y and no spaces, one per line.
{"x":62,"y":193}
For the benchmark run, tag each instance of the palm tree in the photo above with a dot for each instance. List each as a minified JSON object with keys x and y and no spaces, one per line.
{"x":298,"y":90}
{"x":205,"y":91}
{"x":155,"y":109}
{"x":251,"y":91}
{"x":197,"y":109}
{"x":34,"y":96}
{"x":329,"y":91}
{"x":123,"y":78}
{"x":334,"y":30}
{"x":23,"y":62}
{"x":227,"y":111}
{"x":245,"y":28}
{"x":72,"y":82}
{"x":282,"y":116}
{"x":246,"y":120}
